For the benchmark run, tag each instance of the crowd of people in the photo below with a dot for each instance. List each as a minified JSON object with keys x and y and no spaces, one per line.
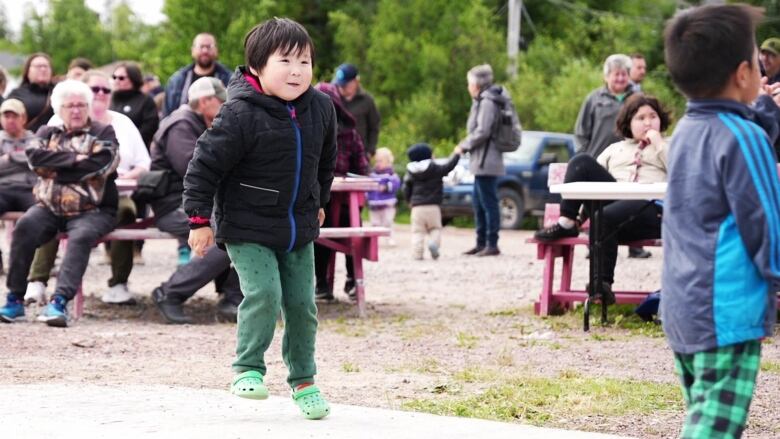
{"x":220,"y":158}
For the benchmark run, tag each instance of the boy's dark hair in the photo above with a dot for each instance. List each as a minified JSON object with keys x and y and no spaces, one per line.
{"x":134,"y":73}
{"x":275,"y":34}
{"x":705,"y":45}
{"x":630,"y":108}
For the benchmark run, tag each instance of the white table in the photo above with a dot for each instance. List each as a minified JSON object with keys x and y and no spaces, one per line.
{"x":597,"y":194}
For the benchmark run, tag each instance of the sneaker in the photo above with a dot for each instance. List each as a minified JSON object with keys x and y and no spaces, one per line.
{"x":638,"y":253}
{"x":118,"y":295}
{"x":184,"y":255}
{"x":13,"y":309}
{"x":434,"y":249}
{"x":56,"y":312}
{"x":36,"y":292}
{"x":556,"y":231}
{"x":323,"y":294}
{"x":474,"y":250}
{"x":489,"y":251}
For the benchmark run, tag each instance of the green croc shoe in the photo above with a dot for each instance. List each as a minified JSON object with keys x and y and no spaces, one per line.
{"x":311,"y":402}
{"x":249,"y":385}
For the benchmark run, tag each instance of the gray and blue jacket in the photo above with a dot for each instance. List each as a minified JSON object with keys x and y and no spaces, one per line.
{"x":721,"y":226}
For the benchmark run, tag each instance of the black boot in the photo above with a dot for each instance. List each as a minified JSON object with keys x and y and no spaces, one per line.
{"x":170,"y":309}
{"x":474,"y":251}
{"x":227,"y":308}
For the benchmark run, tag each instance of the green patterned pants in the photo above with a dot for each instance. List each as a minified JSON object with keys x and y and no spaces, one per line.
{"x":718,"y":387}
{"x":272,"y":281}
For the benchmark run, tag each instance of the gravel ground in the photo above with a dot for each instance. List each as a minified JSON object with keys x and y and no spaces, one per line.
{"x":426,"y":320}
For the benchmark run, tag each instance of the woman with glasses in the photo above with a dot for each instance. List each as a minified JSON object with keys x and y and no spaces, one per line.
{"x":640,"y":157}
{"x":134,"y":160}
{"x":129,"y":100}
{"x":35,"y":90}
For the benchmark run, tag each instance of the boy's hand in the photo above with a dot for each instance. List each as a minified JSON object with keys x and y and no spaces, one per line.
{"x":320,"y":217}
{"x":201,"y":239}
{"x":458,"y":150}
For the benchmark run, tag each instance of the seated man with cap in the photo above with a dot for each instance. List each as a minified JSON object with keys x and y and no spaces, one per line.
{"x":770,"y":59}
{"x":172,"y":148}
{"x":16,"y":178}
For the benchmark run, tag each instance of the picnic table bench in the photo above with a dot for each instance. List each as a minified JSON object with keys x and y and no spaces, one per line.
{"x":356,"y":241}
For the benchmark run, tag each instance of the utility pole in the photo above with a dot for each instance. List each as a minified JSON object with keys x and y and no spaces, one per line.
{"x":513,"y":36}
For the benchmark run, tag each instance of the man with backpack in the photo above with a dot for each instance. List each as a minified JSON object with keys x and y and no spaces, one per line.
{"x":492,"y":128}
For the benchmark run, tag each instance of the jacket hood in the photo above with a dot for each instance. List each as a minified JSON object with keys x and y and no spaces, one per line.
{"x":244,"y":86}
{"x":419,"y":168}
{"x":707,"y":107}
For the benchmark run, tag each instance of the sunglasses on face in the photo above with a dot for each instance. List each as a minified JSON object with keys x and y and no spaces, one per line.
{"x":119,"y":78}
{"x":103,"y":90}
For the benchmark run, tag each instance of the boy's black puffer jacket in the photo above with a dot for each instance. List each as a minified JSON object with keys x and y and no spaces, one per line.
{"x":265,"y":167}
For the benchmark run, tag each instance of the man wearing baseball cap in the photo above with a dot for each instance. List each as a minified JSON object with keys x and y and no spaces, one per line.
{"x":172,"y":148}
{"x":16,"y":178}
{"x":770,"y":59}
{"x":360,"y":104}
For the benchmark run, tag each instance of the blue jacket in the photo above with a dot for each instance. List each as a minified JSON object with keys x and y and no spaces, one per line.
{"x":721,"y":226}
{"x":180,"y":82}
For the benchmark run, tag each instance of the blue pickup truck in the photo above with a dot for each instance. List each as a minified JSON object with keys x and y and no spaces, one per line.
{"x":523,"y":190}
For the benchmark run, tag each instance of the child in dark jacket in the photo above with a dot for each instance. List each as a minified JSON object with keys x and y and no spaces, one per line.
{"x":423,"y":190}
{"x":265,"y":167}
{"x":721,"y":224}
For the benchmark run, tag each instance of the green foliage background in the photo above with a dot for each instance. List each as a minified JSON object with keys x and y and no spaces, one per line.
{"x":413,"y":54}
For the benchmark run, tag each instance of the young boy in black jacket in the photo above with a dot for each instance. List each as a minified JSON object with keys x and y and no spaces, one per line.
{"x":423,"y":190}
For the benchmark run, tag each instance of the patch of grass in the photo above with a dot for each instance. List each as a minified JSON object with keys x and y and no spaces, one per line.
{"x":770,"y":367}
{"x":476,"y":374}
{"x":545,"y":401}
{"x":350,"y":328}
{"x":599,"y":337}
{"x":420,"y":330}
{"x":505,"y":358}
{"x":428,"y":365}
{"x":509,"y":312}
{"x":350,"y":367}
{"x":467,"y":341}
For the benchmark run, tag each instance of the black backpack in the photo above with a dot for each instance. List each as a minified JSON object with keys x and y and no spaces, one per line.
{"x":507,"y":131}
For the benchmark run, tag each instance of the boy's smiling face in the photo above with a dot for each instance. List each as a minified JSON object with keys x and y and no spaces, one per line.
{"x":287,"y":76}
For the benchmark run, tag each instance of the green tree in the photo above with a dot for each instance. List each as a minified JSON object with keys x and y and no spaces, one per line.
{"x":67,"y":30}
{"x":130,"y":37}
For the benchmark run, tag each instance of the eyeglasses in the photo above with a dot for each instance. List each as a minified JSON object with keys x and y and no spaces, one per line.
{"x":78,"y":105}
{"x":40,"y":66}
{"x":204,"y":46}
{"x":119,"y":78}
{"x":104,"y":90}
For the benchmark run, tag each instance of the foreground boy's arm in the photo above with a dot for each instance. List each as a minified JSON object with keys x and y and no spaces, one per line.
{"x":217,"y":151}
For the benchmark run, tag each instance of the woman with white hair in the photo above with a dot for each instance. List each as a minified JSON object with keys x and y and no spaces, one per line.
{"x":134,"y":159}
{"x":595,"y":128}
{"x":76,"y":194}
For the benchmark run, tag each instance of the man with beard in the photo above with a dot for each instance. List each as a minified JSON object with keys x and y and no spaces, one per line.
{"x":204,"y":53}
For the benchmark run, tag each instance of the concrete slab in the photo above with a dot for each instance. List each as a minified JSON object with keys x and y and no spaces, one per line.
{"x":90,"y":411}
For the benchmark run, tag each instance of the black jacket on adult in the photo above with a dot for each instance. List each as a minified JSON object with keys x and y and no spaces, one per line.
{"x":140,"y":108}
{"x":36,"y":101}
{"x":172,"y":150}
{"x":422,"y":182}
{"x":265,"y":166}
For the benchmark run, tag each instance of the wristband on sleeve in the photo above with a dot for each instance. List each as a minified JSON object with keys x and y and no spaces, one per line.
{"x":196,"y":222}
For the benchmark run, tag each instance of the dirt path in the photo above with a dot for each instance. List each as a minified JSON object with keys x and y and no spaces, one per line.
{"x":429,"y":325}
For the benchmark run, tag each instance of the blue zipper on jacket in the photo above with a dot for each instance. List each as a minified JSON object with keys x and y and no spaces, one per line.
{"x":298,"y":153}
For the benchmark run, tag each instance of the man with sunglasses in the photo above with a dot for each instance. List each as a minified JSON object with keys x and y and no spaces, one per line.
{"x":204,"y":54}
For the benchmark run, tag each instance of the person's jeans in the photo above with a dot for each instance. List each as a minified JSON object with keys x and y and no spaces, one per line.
{"x":486,"y":213}
{"x":190,"y":277}
{"x":38,"y":226}
{"x":582,"y":167}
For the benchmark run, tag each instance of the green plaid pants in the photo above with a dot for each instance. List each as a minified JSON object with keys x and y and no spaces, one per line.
{"x":718,"y":387}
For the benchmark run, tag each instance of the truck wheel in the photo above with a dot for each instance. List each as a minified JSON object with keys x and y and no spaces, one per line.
{"x":511,"y":208}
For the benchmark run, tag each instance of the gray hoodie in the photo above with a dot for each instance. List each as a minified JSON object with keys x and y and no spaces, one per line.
{"x":14,"y":170}
{"x":478,"y":142}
